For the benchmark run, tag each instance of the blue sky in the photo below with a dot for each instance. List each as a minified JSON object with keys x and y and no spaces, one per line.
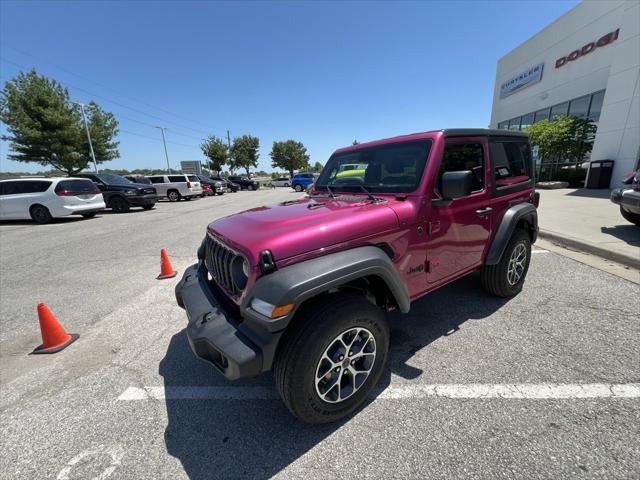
{"x":321,"y":73}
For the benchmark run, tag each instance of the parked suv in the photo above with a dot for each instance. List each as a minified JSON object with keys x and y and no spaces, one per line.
{"x":628,"y":198}
{"x":301,"y":181}
{"x":43,"y":199}
{"x":245,"y":183}
{"x":231,"y":187}
{"x":302,"y":287}
{"x":120,"y":194}
{"x":175,"y":187}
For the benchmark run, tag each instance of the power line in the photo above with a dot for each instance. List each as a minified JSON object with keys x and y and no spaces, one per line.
{"x":115,"y":102}
{"x":64,"y":69}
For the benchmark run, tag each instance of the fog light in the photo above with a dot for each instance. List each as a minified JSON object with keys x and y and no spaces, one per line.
{"x":269,"y":310}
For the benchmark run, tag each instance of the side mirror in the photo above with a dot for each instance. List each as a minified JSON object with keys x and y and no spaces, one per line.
{"x":456,"y":184}
{"x":100,"y":186}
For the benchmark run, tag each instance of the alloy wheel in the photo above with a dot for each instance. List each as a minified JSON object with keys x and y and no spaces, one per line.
{"x":516,"y":264}
{"x":345,"y":365}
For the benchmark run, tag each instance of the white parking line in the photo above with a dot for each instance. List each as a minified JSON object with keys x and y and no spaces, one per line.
{"x":539,"y":251}
{"x":542,"y":391}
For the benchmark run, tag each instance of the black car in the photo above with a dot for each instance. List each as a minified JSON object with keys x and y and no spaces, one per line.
{"x":245,"y":183}
{"x":231,"y":187}
{"x":219,"y":187}
{"x":121,"y":194}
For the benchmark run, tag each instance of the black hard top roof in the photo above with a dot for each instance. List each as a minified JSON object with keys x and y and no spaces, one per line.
{"x":481,"y":132}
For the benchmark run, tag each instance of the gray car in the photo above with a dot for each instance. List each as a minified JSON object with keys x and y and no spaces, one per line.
{"x":629,"y":198}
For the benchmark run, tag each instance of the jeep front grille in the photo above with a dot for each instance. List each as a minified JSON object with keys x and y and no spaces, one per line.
{"x":218,"y":259}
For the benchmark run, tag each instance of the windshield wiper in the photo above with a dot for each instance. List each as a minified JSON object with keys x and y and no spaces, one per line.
{"x":331,"y":194}
{"x":371,"y":197}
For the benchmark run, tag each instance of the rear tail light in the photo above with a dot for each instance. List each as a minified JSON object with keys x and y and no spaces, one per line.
{"x":63,"y":192}
{"x":188,"y":184}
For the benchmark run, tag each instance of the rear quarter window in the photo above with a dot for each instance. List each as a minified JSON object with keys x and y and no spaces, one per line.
{"x":177,"y":178}
{"x":511,"y":164}
{"x":80,"y":187}
{"x":156,"y":179}
{"x":193,"y":178}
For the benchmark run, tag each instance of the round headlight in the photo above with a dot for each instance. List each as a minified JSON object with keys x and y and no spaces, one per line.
{"x":240,"y":272}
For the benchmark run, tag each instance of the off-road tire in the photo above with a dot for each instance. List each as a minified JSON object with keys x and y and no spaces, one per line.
{"x":119,"y":205}
{"x":316,"y":325}
{"x":297,"y":188}
{"x":40,"y":214}
{"x":630,"y":216}
{"x":173,"y":196}
{"x":89,"y":214}
{"x":494,"y":278}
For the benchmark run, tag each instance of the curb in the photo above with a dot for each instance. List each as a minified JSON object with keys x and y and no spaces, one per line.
{"x":587,"y":247}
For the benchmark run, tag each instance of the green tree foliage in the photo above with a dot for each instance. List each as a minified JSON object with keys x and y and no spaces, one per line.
{"x":216,"y":151}
{"x":563,"y":138}
{"x":317,"y":167}
{"x":244,"y":152}
{"x":45,"y":128}
{"x":289,"y":155}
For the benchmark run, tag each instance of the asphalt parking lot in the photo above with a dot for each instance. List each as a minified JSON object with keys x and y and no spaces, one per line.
{"x":545,"y":385}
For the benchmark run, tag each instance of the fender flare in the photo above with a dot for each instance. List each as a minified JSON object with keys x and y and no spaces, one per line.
{"x":522,"y":211}
{"x":307,"y":279}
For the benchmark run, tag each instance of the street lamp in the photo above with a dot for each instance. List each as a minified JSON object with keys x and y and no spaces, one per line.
{"x":86,"y":127}
{"x":162,"y":129}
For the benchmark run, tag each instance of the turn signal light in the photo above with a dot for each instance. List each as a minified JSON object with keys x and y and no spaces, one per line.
{"x":281,"y":310}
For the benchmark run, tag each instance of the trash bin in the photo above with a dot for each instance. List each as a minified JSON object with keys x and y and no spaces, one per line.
{"x":599,"y":175}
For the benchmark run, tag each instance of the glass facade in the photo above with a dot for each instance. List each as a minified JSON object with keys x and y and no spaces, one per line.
{"x":588,"y":106}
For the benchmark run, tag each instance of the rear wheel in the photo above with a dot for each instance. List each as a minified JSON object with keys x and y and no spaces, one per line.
{"x":148,"y":207}
{"x":119,"y":205}
{"x":507,"y":277}
{"x":332,"y":357}
{"x":630,"y":216}
{"x":250,"y":187}
{"x":89,"y":214}
{"x":40,"y":214}
{"x":287,"y":185}
{"x":297,"y":188}
{"x":173,"y":195}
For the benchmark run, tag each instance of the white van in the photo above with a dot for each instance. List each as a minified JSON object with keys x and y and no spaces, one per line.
{"x":43,"y":199}
{"x":175,"y":187}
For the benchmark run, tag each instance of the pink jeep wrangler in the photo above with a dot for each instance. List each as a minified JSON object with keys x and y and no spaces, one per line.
{"x":302,"y":287}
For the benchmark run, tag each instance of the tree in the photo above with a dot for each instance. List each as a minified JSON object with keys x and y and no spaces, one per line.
{"x":45,"y":128}
{"x":217,"y":151}
{"x":244,"y":152}
{"x":317,"y":167}
{"x":563,"y":138}
{"x":355,"y":142}
{"x":289,"y":155}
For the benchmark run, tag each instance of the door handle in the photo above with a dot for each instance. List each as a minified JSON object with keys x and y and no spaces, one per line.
{"x":484,"y":211}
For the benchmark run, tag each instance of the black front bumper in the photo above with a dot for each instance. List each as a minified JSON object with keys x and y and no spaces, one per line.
{"x":142,"y":200}
{"x":215,"y":335}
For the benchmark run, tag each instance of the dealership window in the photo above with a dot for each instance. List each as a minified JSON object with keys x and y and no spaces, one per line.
{"x":580,"y":107}
{"x":503,"y":126}
{"x":596,"y":106}
{"x":541,"y":115}
{"x":514,"y":124}
{"x":558,"y":110}
{"x":527,"y":121}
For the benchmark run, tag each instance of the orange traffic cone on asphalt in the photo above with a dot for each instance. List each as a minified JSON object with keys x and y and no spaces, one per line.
{"x":166,"y":270}
{"x":54,"y":336}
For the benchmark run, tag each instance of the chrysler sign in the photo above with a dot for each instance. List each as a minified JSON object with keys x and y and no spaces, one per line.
{"x":523,"y":79}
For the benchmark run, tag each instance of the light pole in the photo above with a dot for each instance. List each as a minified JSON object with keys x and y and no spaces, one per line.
{"x":162,"y":129}
{"x":86,"y":127}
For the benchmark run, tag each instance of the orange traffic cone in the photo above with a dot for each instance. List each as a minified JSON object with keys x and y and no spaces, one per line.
{"x":54,"y":336}
{"x":166,"y":270}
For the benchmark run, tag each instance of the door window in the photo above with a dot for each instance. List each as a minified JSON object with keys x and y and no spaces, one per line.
{"x":464,"y":156}
{"x":511,"y":163}
{"x":177,"y":178}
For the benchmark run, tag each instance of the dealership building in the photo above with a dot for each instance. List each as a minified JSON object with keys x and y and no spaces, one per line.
{"x":585,"y":64}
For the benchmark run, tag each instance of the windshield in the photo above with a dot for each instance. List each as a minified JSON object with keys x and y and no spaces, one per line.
{"x":111,"y":179}
{"x":387,"y":168}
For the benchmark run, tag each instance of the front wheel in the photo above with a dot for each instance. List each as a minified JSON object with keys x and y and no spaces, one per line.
{"x":298,"y":188}
{"x":507,"y":277}
{"x":630,"y":216}
{"x":332,"y":357}
{"x":119,"y":205}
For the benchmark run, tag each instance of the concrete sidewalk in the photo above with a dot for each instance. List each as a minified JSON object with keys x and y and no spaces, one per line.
{"x":586,"y":220}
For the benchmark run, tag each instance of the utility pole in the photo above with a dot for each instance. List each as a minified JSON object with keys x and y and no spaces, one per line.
{"x":230,"y":159}
{"x":86,"y":127}
{"x":162,"y":129}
